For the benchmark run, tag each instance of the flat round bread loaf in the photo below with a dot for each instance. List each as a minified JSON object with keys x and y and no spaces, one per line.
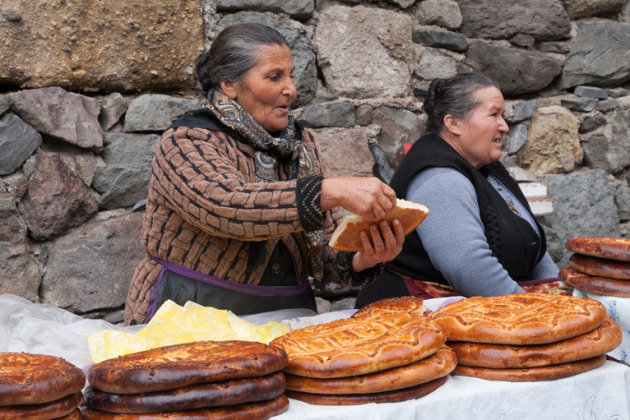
{"x":236,"y":391}
{"x":411,"y":393}
{"x":45,"y":411}
{"x":611,"y":248}
{"x":526,"y":318}
{"x":346,"y":235}
{"x":349,"y":347}
{"x":594,"y":284}
{"x":600,"y":267}
{"x":75,"y":415}
{"x":545,"y":373}
{"x":406,"y":304}
{"x":37,"y":378}
{"x":177,"y":366}
{"x":435,"y":366}
{"x":251,"y":411}
{"x":601,"y":340}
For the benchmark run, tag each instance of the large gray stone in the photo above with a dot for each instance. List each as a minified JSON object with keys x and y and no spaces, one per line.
{"x":66,"y":116}
{"x":516,"y":138}
{"x":592,"y":122}
{"x":382,"y":168}
{"x":607,"y":105}
{"x":584,"y":205}
{"x":5,"y":103}
{"x":590,"y":92}
{"x":304,"y":60}
{"x":155,"y":112}
{"x":622,"y":199}
{"x":618,"y":92}
{"x":599,"y":55}
{"x":328,"y":114}
{"x":90,"y":268}
{"x":56,"y":199}
{"x":577,"y":9}
{"x":433,"y":65}
{"x":578,"y":104}
{"x":545,"y":20}
{"x":18,"y":141}
{"x":609,"y":148}
{"x":554,"y":47}
{"x":369,"y":60}
{"x":125,"y":178}
{"x":345,"y":151}
{"x":113,"y":106}
{"x":439,"y":38}
{"x":443,"y":13}
{"x":516,"y":70}
{"x":398,"y":126}
{"x":299,"y":9}
{"x":524,"y":110}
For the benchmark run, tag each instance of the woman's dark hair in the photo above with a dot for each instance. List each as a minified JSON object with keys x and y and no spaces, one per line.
{"x":233,"y":53}
{"x":455,"y":95}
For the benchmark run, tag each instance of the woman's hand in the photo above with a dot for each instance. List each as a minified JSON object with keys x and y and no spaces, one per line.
{"x":383,"y":243}
{"x":368,"y":197}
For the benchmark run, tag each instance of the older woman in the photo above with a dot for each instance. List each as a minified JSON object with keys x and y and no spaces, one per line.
{"x":480,"y":238}
{"x":239,"y":209}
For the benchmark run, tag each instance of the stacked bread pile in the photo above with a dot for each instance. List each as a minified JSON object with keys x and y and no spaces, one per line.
{"x":37,"y":386}
{"x":599,"y":265}
{"x":528,"y":337}
{"x":370,"y":358}
{"x":208,"y":379}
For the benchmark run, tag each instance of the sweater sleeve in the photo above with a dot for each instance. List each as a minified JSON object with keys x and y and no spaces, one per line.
{"x":545,"y":269}
{"x":453,"y":234}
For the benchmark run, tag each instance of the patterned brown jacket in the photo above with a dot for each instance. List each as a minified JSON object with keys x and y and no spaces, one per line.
{"x":205,"y":210}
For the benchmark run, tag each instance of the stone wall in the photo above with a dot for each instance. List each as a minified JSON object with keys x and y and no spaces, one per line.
{"x":87,"y":86}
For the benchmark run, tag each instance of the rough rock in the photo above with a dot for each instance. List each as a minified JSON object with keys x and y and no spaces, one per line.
{"x":113,"y":106}
{"x":444,"y":13}
{"x":590,"y":92}
{"x":382,"y":168}
{"x":524,"y":110}
{"x":329,"y":114}
{"x":18,"y":141}
{"x":304,"y":60}
{"x":66,"y":116}
{"x":91,"y":267}
{"x":107,"y":45}
{"x":83,"y":163}
{"x":403,"y":4}
{"x":523,"y":40}
{"x":363,"y":114}
{"x":545,"y":20}
{"x":609,"y":148}
{"x":154,"y":112}
{"x":56,"y":199}
{"x":345,"y":151}
{"x":439,"y":38}
{"x":387,"y":37}
{"x":584,"y":205}
{"x":398,"y":126}
{"x":618,"y":92}
{"x":622,"y":199}
{"x":516,"y":138}
{"x":591,"y":122}
{"x":577,"y":9}
{"x":433,"y":64}
{"x":5,"y":103}
{"x":298,"y":9}
{"x":552,"y":144}
{"x":554,"y":47}
{"x":516,"y":70}
{"x":624,"y":15}
{"x":599,"y":55}
{"x":578,"y":104}
{"x":607,"y":105}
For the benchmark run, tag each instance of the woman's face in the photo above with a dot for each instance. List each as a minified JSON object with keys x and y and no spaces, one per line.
{"x":480,"y":134}
{"x":267,"y":90}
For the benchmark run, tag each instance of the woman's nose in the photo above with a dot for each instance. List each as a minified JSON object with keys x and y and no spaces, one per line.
{"x":290,"y":89}
{"x":503,"y":127}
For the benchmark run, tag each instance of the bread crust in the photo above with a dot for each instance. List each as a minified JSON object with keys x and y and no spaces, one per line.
{"x":251,"y":411}
{"x":346,"y":236}
{"x":595,"y":284}
{"x":181,"y":365}
{"x":406,"y":304}
{"x":405,"y":394}
{"x":349,"y":347}
{"x":545,"y":373}
{"x":601,"y":247}
{"x":601,"y":340}
{"x":49,"y":410}
{"x":600,"y":266}
{"x":526,"y":318}
{"x":37,"y":378}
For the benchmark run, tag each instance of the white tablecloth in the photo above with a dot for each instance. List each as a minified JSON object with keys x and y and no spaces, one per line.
{"x":601,"y":394}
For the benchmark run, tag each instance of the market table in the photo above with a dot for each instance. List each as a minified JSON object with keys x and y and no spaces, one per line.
{"x":603,"y":393}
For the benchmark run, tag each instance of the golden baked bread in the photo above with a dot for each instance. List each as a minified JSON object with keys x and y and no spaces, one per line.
{"x":611,"y":248}
{"x":525,"y":318}
{"x":49,"y":410}
{"x":349,"y":347}
{"x":435,"y":366}
{"x":236,"y":391}
{"x":406,"y":304}
{"x":37,"y":378}
{"x":250,"y":411}
{"x":398,"y":395}
{"x":601,"y":340}
{"x":171,"y":367}
{"x":594,"y":284}
{"x":346,"y":235}
{"x":600,"y":266}
{"x":544,"y":373}
{"x":74,"y":415}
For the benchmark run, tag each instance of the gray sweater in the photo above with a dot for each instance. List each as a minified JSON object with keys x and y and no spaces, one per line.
{"x":453,"y":235}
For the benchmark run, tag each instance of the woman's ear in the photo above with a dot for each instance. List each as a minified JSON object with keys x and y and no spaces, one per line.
{"x":452,"y":124}
{"x":229,"y":88}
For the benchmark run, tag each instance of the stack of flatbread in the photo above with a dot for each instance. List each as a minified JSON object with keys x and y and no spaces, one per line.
{"x":599,"y":265}
{"x":381,"y":355}
{"x":527,"y":337}
{"x":37,"y":386}
{"x":207,"y":379}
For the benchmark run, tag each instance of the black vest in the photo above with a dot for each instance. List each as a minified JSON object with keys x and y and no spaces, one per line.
{"x":511,"y":238}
